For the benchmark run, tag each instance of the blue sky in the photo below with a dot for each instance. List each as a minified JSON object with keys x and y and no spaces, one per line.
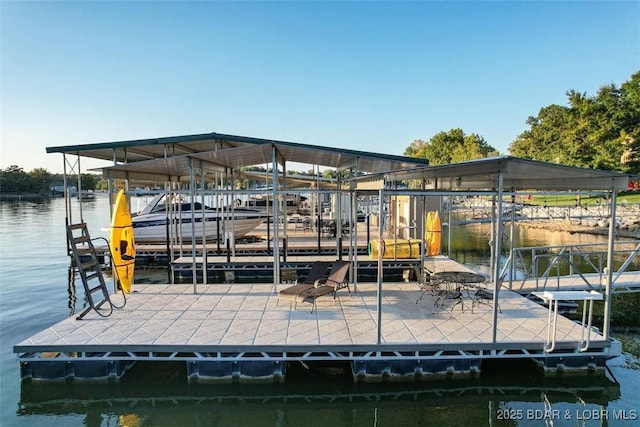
{"x":370,"y":76}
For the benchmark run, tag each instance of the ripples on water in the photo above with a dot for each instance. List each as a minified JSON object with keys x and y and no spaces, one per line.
{"x":34,"y":295}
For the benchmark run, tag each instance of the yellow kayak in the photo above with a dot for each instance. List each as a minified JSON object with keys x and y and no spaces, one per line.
{"x":433,"y":234}
{"x":122,"y":244}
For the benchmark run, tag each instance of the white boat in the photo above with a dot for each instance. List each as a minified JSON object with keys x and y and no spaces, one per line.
{"x":264,"y":203}
{"x":151,"y":223}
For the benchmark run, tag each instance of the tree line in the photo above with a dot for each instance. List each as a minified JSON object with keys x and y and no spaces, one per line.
{"x":15,"y":180}
{"x":451,"y":147}
{"x":598,"y":132}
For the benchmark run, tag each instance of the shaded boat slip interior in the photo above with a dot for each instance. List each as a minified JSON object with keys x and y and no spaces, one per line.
{"x":240,"y":331}
{"x":151,"y":223}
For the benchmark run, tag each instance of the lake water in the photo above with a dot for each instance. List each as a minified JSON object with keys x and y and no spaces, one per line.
{"x":34,"y":294}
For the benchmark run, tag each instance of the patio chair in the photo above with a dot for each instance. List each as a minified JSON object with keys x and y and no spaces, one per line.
{"x":453,"y":294}
{"x":304,"y":283}
{"x":307,"y":224}
{"x":426,"y":283}
{"x":346,"y":228}
{"x":483,"y":296}
{"x":329,"y":229}
{"x":338,"y":279}
{"x":450,"y":289}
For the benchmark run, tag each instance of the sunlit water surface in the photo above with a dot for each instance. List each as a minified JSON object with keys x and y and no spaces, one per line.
{"x":34,"y":295}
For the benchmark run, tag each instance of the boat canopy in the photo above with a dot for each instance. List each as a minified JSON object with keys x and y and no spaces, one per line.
{"x":176,"y":158}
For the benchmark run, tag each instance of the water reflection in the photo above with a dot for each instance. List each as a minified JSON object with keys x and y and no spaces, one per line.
{"x":584,"y":253}
{"x":160,"y":395}
{"x":71,"y":289}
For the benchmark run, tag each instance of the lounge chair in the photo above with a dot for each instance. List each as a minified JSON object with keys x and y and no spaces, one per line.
{"x":316,"y":274}
{"x":338,"y":279}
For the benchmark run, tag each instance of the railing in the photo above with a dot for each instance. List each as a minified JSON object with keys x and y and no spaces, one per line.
{"x":547,"y":265}
{"x":480,"y":210}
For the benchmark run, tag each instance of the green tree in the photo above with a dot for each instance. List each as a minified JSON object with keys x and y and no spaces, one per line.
{"x":630,"y":159}
{"x":417,"y":149}
{"x":543,"y":141}
{"x":89,"y":181}
{"x":57,"y":179}
{"x":630,"y":136}
{"x":473,"y":147}
{"x":450,"y":147}
{"x":329,"y":173}
{"x":14,"y":180}
{"x":40,"y":181}
{"x":600,"y":131}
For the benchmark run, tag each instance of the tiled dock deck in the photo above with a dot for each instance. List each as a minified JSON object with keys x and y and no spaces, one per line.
{"x":221,"y":320}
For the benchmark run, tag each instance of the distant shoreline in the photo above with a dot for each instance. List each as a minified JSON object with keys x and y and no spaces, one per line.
{"x":571,"y":228}
{"x":631,"y":230}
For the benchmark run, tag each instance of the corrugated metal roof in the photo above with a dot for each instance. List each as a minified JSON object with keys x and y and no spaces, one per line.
{"x":518,"y":174}
{"x":156,"y":148}
{"x":172,"y":157}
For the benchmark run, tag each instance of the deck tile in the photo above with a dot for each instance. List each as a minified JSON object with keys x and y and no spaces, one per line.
{"x":241,"y":314}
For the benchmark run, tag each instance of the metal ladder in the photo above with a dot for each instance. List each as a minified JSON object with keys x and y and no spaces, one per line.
{"x":84,"y":257}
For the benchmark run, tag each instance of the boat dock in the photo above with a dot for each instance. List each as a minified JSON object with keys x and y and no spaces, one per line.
{"x":241,"y":332}
{"x":251,"y":258}
{"x":298,"y":241}
{"x":392,"y":327}
{"x":260,"y":268}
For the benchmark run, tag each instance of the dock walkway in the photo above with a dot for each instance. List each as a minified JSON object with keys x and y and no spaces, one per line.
{"x":240,"y":330}
{"x":628,"y":281}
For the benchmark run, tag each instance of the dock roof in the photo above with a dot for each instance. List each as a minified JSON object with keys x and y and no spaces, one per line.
{"x":231,"y":151}
{"x":518,"y":174}
{"x":176,"y":156}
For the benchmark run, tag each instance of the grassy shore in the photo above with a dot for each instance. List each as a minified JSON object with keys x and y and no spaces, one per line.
{"x":628,"y":197}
